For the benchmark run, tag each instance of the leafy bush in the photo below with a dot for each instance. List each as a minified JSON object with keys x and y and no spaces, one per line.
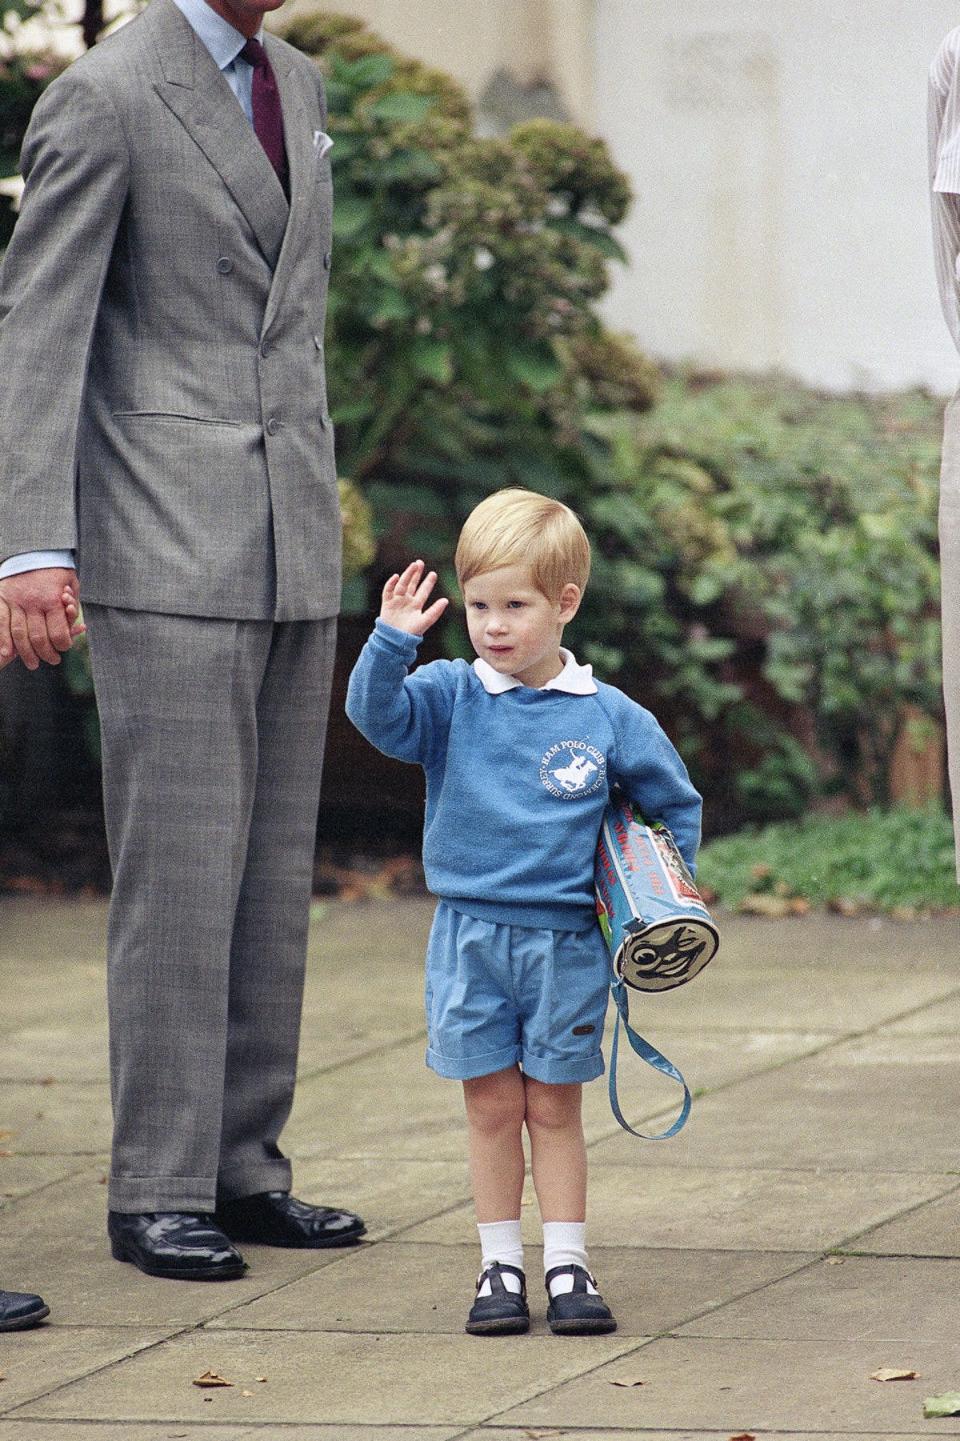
{"x":464,"y":350}
{"x":896,"y":860}
{"x":803,"y":531}
{"x":22,"y":80}
{"x":765,"y":566}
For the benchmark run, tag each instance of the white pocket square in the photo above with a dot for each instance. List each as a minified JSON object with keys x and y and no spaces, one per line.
{"x":321,"y":143}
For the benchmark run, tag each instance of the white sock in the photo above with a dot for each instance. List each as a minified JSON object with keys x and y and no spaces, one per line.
{"x":565,"y":1244}
{"x":500,"y":1241}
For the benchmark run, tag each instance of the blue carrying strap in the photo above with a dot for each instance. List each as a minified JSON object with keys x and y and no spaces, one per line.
{"x":647,"y":1053}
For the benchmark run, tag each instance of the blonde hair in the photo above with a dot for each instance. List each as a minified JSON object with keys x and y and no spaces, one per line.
{"x":519,"y":527}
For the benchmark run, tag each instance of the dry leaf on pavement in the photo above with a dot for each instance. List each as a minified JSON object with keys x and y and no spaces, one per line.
{"x":211,"y":1378}
{"x":946,"y":1405}
{"x":893,"y":1373}
{"x":744,"y":1436}
{"x":627,"y":1381}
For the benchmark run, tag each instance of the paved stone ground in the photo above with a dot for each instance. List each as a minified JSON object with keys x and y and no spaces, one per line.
{"x":801,"y":1233}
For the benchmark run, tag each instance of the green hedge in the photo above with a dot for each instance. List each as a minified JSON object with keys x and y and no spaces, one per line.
{"x":897,"y":860}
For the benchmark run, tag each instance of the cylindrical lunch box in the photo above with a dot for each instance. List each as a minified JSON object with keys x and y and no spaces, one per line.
{"x":659,"y":932}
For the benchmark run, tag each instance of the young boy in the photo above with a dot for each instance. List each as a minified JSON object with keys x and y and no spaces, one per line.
{"x":520,"y":751}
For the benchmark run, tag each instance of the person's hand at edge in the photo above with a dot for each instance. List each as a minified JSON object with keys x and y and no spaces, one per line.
{"x":404,"y":597}
{"x":34,"y":623}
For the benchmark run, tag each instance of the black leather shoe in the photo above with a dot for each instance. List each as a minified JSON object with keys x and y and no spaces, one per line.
{"x":178,"y":1245}
{"x":275,"y":1218}
{"x":577,"y":1312}
{"x":19,"y":1310}
{"x":503,"y":1312}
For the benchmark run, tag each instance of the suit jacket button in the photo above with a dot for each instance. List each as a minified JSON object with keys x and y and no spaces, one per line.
{"x":224,"y":265}
{"x":326,"y":260}
{"x":273,"y":425}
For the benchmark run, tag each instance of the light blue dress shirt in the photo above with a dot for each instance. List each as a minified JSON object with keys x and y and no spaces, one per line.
{"x":224,"y":44}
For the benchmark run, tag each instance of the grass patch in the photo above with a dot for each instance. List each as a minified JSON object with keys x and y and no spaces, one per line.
{"x":886,"y":860}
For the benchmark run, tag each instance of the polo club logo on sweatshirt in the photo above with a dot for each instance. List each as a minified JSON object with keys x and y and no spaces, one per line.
{"x":573,"y":768}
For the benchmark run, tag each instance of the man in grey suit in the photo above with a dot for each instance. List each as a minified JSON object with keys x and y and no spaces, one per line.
{"x":165,"y":434}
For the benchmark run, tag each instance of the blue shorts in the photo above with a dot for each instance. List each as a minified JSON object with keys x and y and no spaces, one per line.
{"x":498,"y":995}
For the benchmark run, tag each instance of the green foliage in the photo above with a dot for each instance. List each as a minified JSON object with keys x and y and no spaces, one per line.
{"x":804,"y":538}
{"x":765,"y":566}
{"x":463,"y":345}
{"x":884,"y":860}
{"x":22,"y":79}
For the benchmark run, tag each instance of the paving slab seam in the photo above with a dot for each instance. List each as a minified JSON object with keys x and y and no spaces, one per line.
{"x":11,"y":1414}
{"x":8,"y":1202}
{"x":382,"y":1049}
{"x":840,"y":1038}
{"x":589,"y":1370}
{"x":842,"y":1246}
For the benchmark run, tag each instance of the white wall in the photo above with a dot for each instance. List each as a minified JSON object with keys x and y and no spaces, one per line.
{"x":778,"y":151}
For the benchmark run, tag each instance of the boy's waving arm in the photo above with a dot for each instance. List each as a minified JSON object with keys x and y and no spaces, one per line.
{"x":648,"y":768}
{"x":404,"y":716}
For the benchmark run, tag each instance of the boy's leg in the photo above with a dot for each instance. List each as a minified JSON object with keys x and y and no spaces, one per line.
{"x":495,"y":1107}
{"x":557,"y":1151}
{"x":559,"y":1165}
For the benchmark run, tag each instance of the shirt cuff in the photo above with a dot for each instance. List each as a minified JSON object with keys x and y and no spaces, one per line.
{"x":37,"y":560}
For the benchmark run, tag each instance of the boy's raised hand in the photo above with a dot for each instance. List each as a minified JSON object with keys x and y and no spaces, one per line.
{"x":404,"y":598}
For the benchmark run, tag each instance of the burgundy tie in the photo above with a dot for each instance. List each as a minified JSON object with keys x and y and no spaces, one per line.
{"x":267,"y":115}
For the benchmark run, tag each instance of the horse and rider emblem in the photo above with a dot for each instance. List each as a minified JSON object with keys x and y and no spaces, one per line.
{"x":573,"y":768}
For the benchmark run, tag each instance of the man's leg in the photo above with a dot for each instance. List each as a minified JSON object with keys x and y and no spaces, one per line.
{"x":269,"y":943}
{"x":268,"y":952}
{"x":177,"y":698}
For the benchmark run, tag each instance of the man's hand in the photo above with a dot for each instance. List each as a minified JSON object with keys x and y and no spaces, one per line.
{"x":404,"y":597}
{"x":37,"y":615}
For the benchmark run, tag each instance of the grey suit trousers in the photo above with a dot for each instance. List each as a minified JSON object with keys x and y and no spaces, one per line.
{"x":213,"y":735}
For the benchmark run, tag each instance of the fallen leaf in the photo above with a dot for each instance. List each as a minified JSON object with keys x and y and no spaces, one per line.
{"x":627,"y":1381}
{"x":893,"y":1373}
{"x":6,"y":1153}
{"x":246,"y":1393}
{"x":211,"y":1378}
{"x":744,"y":1436}
{"x":836,"y":1260}
{"x":261,"y":1379}
{"x":539,"y":1435}
{"x":946,"y":1405}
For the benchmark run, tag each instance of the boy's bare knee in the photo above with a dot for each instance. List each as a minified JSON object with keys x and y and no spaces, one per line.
{"x":495,"y":1102}
{"x":551,"y":1107}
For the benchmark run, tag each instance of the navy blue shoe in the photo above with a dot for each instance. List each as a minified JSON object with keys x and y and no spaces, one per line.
{"x":18,"y":1310}
{"x":577,"y":1312}
{"x":503,"y":1312}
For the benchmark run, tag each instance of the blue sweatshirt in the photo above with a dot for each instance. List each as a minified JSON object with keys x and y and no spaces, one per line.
{"x":517,"y":782}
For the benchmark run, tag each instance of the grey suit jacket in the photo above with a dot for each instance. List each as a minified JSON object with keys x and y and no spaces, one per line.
{"x":162,"y":395}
